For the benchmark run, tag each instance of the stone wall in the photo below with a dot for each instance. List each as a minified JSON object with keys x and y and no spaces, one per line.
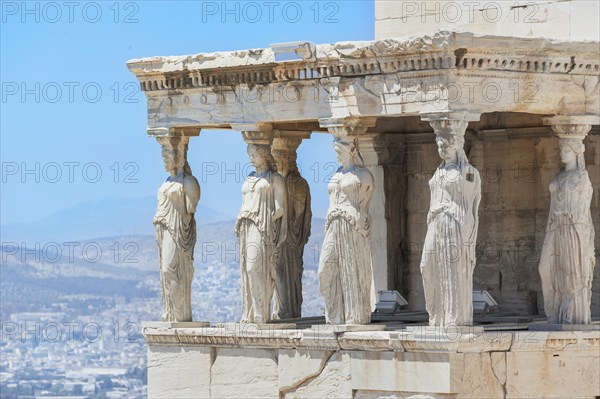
{"x":557,"y":19}
{"x":515,"y":174}
{"x":285,"y":364}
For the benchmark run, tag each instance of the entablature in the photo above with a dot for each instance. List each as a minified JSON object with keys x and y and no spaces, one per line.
{"x":383,"y":78}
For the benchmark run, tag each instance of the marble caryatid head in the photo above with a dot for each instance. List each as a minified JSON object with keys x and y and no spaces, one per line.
{"x":450,"y":146}
{"x":174,"y":154}
{"x":347,"y":152}
{"x":571,"y":150}
{"x":284,"y":152}
{"x":260,"y":157}
{"x":285,"y":160}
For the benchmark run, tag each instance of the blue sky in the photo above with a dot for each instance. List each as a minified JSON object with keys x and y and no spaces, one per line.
{"x":70,"y":109}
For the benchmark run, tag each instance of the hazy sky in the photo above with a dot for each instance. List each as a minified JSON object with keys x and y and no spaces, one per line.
{"x":72,"y":115}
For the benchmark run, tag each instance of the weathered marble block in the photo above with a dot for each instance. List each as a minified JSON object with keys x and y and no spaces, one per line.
{"x":221,"y":363}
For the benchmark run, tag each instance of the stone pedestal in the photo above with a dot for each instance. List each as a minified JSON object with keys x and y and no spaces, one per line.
{"x":220,"y":363}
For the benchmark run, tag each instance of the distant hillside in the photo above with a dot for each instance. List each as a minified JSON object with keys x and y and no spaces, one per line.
{"x":99,"y":218}
{"x":127,"y":266}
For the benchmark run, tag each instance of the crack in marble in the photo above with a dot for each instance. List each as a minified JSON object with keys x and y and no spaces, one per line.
{"x":309,"y":378}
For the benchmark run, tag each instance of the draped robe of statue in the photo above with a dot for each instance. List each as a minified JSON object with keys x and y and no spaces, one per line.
{"x":567,"y":261}
{"x":448,"y":257}
{"x":345,"y":270}
{"x":260,"y":236}
{"x":288,"y":286}
{"x":176,"y":237}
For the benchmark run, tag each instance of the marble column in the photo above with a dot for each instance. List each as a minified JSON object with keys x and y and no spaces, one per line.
{"x":383,"y":156}
{"x":175,"y":227}
{"x":290,"y":265}
{"x":448,"y":257}
{"x":377,"y":152}
{"x":568,"y":258}
{"x":346,"y":260}
{"x":261,"y":227}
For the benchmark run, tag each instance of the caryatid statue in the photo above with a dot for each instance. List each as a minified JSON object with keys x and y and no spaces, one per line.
{"x":448,"y":257}
{"x":176,"y":230}
{"x":568,"y":259}
{"x":288,"y":277}
{"x":345,"y":269}
{"x":261,"y":227}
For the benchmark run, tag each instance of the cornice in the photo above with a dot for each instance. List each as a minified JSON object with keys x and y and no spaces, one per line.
{"x":415,"y":339}
{"x":446,"y":50}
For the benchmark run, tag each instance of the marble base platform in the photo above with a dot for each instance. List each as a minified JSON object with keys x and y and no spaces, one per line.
{"x":257,"y":326}
{"x":175,"y":324}
{"x":342,"y":328}
{"x":213,"y":362}
{"x":450,"y":333}
{"x":564,"y":327}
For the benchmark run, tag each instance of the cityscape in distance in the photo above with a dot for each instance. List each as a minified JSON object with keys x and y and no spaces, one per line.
{"x":78,"y":334}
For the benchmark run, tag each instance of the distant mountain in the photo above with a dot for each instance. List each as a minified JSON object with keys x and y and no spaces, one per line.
{"x":98,"y":218}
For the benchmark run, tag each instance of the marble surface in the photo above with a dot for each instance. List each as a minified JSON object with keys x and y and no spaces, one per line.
{"x":568,"y":256}
{"x":175,"y":227}
{"x":572,"y":20}
{"x":372,"y":364}
{"x":345,"y":268}
{"x":290,"y":263}
{"x":448,"y":259}
{"x":261,"y":226}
